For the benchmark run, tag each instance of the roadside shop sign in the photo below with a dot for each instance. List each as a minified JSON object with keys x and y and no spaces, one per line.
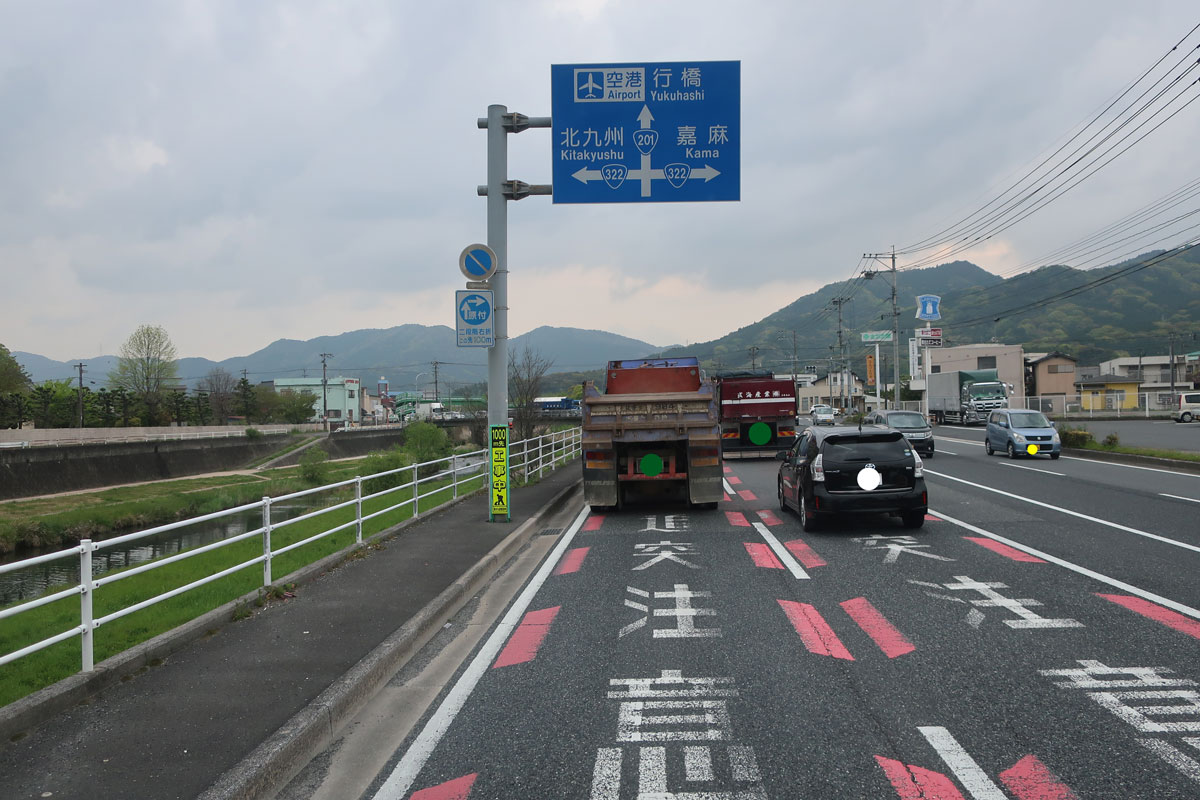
{"x":499,"y":474}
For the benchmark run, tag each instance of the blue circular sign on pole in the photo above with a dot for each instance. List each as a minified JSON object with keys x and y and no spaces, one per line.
{"x":478,"y":262}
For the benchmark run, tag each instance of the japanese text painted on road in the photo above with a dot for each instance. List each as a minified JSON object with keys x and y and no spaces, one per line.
{"x":646,"y":132}
{"x":499,"y":474}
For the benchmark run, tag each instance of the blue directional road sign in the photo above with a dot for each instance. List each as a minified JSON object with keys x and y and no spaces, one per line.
{"x":649,"y":132}
{"x":473,"y":318}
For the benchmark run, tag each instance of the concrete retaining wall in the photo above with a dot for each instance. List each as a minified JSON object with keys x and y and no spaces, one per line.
{"x":46,"y":470}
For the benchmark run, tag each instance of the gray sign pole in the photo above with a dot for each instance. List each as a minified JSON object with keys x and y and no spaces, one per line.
{"x":497,"y":239}
{"x":498,"y":191}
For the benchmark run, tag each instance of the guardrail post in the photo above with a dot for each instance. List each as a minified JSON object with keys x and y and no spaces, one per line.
{"x":86,"y":590}
{"x":416,"y":494}
{"x":454,"y":475}
{"x":358,"y":509}
{"x":266,"y":540}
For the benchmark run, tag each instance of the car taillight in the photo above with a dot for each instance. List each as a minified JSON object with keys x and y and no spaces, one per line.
{"x":919,"y":470}
{"x":818,"y":468}
{"x":598,"y":459}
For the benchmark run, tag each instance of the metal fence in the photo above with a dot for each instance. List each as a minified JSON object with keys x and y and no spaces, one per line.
{"x":527,"y":459}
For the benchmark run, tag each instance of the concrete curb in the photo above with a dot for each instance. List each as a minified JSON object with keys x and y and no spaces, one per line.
{"x":34,"y":709}
{"x":1130,"y":458}
{"x":305,"y":735}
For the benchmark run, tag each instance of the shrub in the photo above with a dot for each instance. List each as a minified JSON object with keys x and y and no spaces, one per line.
{"x":382,"y":461}
{"x":1111,"y":440}
{"x":1075,"y":437}
{"x":314,"y":468}
{"x":253,"y":433}
{"x":426,"y":442}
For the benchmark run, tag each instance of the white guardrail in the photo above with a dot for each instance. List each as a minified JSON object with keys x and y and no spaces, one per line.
{"x":527,"y":458}
{"x":183,"y":435}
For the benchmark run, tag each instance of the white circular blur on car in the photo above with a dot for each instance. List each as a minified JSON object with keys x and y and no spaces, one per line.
{"x":869,"y":479}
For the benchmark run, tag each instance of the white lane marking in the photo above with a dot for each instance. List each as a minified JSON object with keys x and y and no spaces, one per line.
{"x":973,"y":779}
{"x":784,"y":554}
{"x":1095,"y":461}
{"x":1177,"y":497}
{"x":1188,"y":766}
{"x":697,"y":763}
{"x":399,"y":782}
{"x":728,"y":487}
{"x":606,"y":777}
{"x":1033,"y":469}
{"x":1096,"y":520}
{"x":1033,"y":551}
{"x":946,"y":453}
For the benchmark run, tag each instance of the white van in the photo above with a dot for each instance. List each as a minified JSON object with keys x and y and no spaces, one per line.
{"x":1189,"y":407}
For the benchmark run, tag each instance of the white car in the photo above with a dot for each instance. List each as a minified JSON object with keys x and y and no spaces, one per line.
{"x":821,"y":415}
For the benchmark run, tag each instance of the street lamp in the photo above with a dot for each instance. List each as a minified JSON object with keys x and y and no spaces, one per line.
{"x":417,"y":384}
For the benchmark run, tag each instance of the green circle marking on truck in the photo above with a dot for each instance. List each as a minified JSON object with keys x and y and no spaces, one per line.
{"x":760,"y":433}
{"x":651,"y":464}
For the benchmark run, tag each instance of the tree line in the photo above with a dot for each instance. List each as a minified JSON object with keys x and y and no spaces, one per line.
{"x":144,"y":390}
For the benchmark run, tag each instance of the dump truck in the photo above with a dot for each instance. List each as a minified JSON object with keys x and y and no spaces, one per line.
{"x":757,"y":412}
{"x":654,"y":428}
{"x":965,"y":396}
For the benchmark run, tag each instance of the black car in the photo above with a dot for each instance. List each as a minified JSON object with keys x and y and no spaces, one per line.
{"x":912,"y":424}
{"x":850,"y":470}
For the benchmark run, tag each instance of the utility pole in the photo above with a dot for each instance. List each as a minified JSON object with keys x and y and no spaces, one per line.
{"x":79,"y":401}
{"x":435,"y":380}
{"x":839,"y":302}
{"x":324,"y":390}
{"x":753,"y":351}
{"x":1171,"y":362}
{"x":895,"y":324}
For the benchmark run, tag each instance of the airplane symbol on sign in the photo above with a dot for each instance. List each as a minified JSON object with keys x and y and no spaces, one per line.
{"x":589,"y":88}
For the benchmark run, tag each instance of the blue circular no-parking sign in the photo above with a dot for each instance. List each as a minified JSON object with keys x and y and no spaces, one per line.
{"x":478,"y":262}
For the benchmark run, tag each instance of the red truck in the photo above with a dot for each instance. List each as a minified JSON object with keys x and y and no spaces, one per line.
{"x":652,"y":430}
{"x":758,"y":412}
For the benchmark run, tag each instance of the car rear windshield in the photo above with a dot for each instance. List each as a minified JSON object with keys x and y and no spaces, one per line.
{"x":865,"y":448}
{"x":907,"y":420}
{"x":1029,"y":419}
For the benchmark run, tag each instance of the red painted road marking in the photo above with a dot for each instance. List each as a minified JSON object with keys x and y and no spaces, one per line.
{"x":1157,"y":613}
{"x":932,"y":518}
{"x":891,"y":641}
{"x":1030,"y":780}
{"x":527,"y":638}
{"x":594,"y":522}
{"x":746,"y":494}
{"x":917,"y":783}
{"x":457,"y":789}
{"x":814,"y":631}
{"x":768,"y":517}
{"x":804,"y":554}
{"x":728,"y":470}
{"x":1005,"y":550}
{"x":734,"y":480}
{"x":737,"y":519}
{"x":762,"y":556}
{"x":572,"y":561}
{"x":728,"y":499}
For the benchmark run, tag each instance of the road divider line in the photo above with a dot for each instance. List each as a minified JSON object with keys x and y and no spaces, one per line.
{"x":1005,"y":550}
{"x":969,"y":773}
{"x":572,"y":561}
{"x":1067,"y":511}
{"x":727,"y":487}
{"x":1157,"y":613}
{"x":1177,"y":497}
{"x":890,"y":640}
{"x":762,"y":556}
{"x":1033,"y":469}
{"x":784,"y":554}
{"x":405,"y":772}
{"x":815,"y":633}
{"x":1127,"y":587}
{"x":805,"y":554}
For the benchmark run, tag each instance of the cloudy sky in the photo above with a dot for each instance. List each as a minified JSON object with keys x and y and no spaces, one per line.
{"x":240,"y":172}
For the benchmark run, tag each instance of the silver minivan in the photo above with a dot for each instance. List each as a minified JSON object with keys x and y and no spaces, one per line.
{"x":1189,"y":407}
{"x":1021,"y":431}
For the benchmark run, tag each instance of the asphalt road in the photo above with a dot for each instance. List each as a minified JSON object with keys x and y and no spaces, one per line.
{"x":1038,"y":639}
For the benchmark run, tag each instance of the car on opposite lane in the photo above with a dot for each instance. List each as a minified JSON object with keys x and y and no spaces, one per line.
{"x":912,"y":424}
{"x":821,"y":415}
{"x":851,"y":470}
{"x":1021,"y":431}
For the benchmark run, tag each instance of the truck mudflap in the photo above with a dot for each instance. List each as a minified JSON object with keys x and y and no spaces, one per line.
{"x":705,"y":474}
{"x":600,"y":487}
{"x":756,"y":437}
